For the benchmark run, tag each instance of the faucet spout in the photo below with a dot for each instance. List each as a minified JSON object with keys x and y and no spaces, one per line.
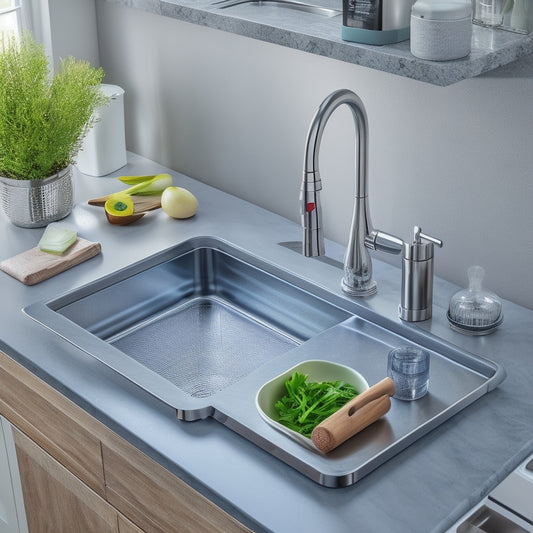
{"x":357,"y":280}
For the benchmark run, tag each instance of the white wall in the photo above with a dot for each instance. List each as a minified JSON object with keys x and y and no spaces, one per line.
{"x":66,"y":28}
{"x":234,"y":112}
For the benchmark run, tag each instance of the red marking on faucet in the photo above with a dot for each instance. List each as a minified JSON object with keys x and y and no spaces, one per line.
{"x":310,"y":206}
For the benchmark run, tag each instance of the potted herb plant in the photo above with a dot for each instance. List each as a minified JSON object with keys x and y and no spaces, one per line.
{"x":43,"y":120}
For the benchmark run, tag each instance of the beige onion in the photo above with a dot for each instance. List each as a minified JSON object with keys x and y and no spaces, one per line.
{"x":178,"y":202}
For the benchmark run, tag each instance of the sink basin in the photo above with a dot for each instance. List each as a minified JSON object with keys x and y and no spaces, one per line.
{"x":204,"y":325}
{"x":284,"y":4}
{"x":190,"y":321}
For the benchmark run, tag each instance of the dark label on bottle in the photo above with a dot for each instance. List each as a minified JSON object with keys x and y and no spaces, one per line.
{"x":366,"y":14}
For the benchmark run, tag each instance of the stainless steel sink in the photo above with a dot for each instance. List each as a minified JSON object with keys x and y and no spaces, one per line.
{"x":284,"y":4}
{"x":204,"y":325}
{"x":189,"y":322}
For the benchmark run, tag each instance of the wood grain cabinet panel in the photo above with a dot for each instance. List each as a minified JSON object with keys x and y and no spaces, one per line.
{"x":125,"y":526}
{"x":57,"y":425}
{"x":55,"y":500}
{"x":155,"y":499}
{"x":127,"y":484}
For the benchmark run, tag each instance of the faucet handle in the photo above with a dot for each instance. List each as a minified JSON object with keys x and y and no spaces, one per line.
{"x":418,"y":236}
{"x":384,"y":242}
{"x":419,"y":250}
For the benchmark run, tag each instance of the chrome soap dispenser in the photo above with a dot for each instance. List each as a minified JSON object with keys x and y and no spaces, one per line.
{"x":417,"y":277}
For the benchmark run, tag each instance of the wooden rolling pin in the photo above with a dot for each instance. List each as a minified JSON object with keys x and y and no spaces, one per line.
{"x":356,"y":415}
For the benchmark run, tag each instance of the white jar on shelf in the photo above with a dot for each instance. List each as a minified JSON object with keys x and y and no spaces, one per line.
{"x":441,"y":30}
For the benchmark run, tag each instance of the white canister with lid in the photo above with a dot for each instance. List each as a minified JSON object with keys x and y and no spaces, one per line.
{"x":104,"y":148}
{"x":441,"y":30}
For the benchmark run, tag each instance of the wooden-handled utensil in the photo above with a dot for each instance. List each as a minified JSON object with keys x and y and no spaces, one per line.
{"x":141,"y":205}
{"x":356,"y":415}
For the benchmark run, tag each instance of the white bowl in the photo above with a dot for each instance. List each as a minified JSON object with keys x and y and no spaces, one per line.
{"x":318,"y":371}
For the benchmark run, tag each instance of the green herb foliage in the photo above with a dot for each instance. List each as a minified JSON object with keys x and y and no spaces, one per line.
{"x":308,"y":404}
{"x":43,"y":119}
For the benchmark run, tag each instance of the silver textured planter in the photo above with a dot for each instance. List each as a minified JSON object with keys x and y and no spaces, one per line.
{"x":36,"y":203}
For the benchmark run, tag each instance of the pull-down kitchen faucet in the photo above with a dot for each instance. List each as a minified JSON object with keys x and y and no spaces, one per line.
{"x":357,"y":280}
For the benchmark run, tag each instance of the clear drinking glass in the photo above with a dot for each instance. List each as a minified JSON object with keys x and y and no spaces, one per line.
{"x":488,"y":12}
{"x":408,"y":367}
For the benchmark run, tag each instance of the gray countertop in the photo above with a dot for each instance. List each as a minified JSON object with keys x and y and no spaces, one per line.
{"x":424,"y":488}
{"x":322,"y":36}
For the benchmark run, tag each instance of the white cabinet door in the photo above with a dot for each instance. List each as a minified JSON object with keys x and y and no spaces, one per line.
{"x":12,"y":516}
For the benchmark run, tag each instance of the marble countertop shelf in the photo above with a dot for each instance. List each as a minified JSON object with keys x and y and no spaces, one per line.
{"x":321,"y":35}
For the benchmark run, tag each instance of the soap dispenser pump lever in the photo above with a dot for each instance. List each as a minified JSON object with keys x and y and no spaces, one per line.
{"x":417,"y":277}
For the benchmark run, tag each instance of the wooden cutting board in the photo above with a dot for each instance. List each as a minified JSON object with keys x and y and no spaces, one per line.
{"x":33,"y":266}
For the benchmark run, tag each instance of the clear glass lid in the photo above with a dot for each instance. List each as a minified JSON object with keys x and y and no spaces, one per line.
{"x":475,"y":309}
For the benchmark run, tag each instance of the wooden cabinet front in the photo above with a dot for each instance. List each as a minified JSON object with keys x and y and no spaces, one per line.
{"x":55,"y":500}
{"x":57,"y":425}
{"x":125,"y":526}
{"x":157,"y":500}
{"x":78,"y":476}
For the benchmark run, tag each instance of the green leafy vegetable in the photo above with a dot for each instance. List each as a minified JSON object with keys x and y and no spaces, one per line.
{"x":308,"y":404}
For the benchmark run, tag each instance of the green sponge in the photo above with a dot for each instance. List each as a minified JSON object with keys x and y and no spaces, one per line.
{"x":57,"y":239}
